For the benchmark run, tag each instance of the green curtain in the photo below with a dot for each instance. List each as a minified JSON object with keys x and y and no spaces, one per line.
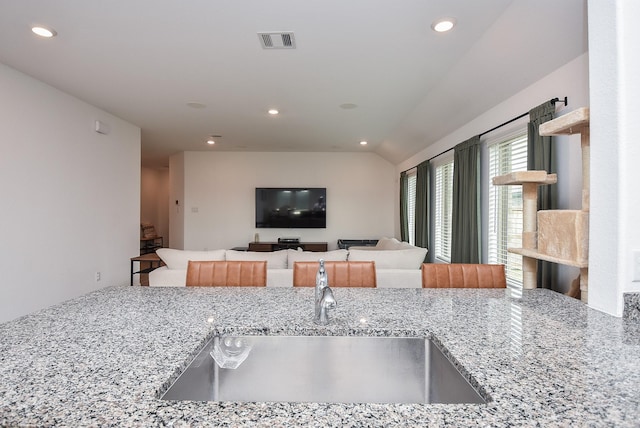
{"x":466,"y":221}
{"x":423,"y":206}
{"x":541,"y":156}
{"x":404,"y":220}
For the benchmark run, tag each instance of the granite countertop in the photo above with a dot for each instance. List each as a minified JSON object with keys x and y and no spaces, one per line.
{"x":105,"y":358}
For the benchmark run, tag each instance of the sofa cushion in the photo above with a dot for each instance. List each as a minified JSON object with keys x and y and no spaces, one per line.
{"x":275,"y":259}
{"x":313,"y":256}
{"x":384,"y":244}
{"x":392,"y":244}
{"x":387,"y":244}
{"x":391,"y":259}
{"x":179,"y":259}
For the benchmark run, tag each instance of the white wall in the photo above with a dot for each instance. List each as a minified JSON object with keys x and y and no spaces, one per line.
{"x":154,"y":200}
{"x":630,"y":133}
{"x":615,"y":152}
{"x":70,"y":196}
{"x":176,"y":201}
{"x":221,"y":188}
{"x":571,"y":80}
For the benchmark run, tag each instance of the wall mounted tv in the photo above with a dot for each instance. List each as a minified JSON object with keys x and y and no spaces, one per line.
{"x":291,"y":207}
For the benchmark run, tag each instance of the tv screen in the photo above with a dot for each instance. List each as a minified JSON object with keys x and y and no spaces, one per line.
{"x":292,"y":207}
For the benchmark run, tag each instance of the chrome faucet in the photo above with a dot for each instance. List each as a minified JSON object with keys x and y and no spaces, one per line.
{"x":324,"y":299}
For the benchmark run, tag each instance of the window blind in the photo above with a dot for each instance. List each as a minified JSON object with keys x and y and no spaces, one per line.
{"x":505,"y":206}
{"x":443,"y":207}
{"x":411,"y":205}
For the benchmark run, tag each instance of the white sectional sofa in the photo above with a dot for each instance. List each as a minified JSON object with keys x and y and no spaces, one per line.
{"x":397,"y":263}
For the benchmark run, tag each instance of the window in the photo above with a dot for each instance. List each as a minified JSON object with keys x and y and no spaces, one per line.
{"x":443,"y":206}
{"x":411,"y":205}
{"x":505,"y":206}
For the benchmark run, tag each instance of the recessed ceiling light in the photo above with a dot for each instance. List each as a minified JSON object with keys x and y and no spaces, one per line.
{"x":273,"y":111}
{"x":443,"y":25}
{"x":212,"y":139}
{"x":363,"y":143}
{"x":44,"y":31}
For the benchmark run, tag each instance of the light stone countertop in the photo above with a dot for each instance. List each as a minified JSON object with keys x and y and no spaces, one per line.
{"x":104,"y":359}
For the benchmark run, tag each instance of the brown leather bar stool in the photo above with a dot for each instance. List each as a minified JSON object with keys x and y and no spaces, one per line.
{"x":458,"y":275}
{"x":227,"y":273}
{"x":339,"y":274}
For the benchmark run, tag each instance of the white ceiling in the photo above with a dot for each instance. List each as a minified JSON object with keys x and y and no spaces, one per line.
{"x":144,"y":60}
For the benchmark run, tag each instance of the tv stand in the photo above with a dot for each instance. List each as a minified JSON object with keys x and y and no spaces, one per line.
{"x":275,"y":246}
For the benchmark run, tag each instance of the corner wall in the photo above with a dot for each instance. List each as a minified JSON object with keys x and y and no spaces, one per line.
{"x":219,"y":195}
{"x":70,"y":196}
{"x":615,"y":152}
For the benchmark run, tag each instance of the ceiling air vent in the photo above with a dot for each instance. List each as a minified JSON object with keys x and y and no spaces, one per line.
{"x":283,"y":40}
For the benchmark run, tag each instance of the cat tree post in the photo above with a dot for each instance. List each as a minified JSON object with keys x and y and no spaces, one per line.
{"x":530,"y":181}
{"x":571,"y":226}
{"x":529,"y":233}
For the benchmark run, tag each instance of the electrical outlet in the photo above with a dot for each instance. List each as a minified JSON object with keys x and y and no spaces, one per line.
{"x":636,"y":265}
{"x":98,"y":276}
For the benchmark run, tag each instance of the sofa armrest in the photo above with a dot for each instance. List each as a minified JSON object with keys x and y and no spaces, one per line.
{"x":165,"y":277}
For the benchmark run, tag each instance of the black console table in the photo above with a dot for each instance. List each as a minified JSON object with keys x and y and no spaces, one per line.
{"x":148,"y":262}
{"x":346,"y":243}
{"x":274,"y":246}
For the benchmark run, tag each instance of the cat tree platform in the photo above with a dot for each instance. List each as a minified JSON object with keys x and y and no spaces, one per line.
{"x":557,"y":236}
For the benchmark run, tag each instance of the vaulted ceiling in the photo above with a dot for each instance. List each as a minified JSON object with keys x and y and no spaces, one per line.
{"x":371,"y":70}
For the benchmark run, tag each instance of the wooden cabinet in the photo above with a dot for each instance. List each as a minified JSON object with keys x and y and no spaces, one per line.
{"x":261,"y":246}
{"x":274,"y":246}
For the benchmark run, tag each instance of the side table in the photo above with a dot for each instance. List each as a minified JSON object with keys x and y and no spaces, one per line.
{"x":150,"y":244}
{"x":151,"y":259}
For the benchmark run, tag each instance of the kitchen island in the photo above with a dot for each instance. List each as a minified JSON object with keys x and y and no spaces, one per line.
{"x":104,"y":359}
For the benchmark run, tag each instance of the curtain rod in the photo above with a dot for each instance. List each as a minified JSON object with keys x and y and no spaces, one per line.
{"x":552,"y":101}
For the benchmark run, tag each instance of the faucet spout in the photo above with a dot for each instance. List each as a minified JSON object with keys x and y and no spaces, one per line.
{"x":324,"y":299}
{"x":322,"y":309}
{"x":321,"y":281}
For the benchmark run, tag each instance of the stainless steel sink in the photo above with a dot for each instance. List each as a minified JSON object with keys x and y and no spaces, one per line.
{"x":326,"y":369}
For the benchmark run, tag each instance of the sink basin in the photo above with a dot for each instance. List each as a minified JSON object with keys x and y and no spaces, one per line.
{"x":325,"y":369}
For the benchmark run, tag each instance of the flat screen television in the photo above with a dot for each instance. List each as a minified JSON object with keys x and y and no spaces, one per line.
{"x":291,"y":207}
